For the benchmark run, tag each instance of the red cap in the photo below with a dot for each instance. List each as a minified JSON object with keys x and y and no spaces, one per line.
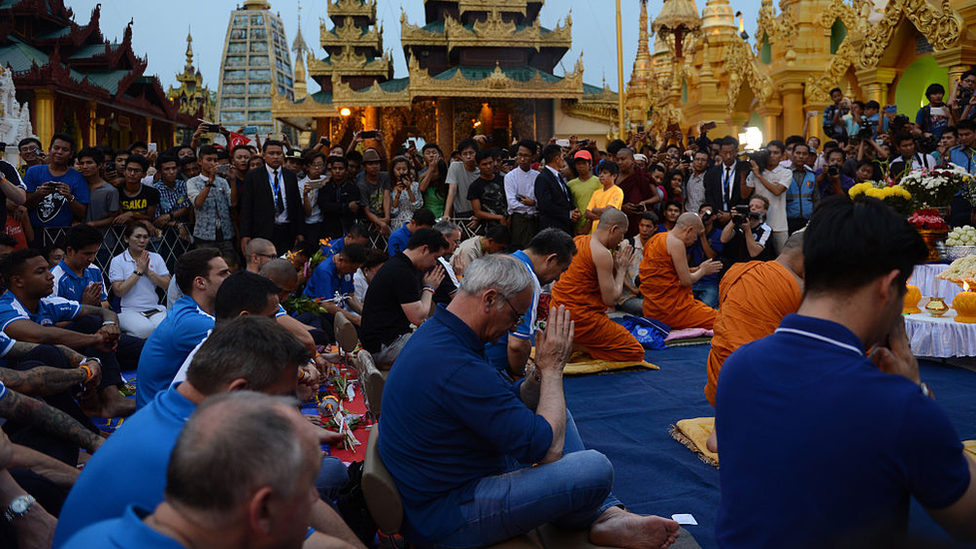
{"x":585,"y":155}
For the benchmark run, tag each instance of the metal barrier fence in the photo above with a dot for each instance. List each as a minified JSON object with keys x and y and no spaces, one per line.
{"x":168,"y":244}
{"x":379,"y":241}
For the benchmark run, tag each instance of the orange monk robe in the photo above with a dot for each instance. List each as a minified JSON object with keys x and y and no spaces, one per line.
{"x":753,"y":299}
{"x":579,"y":290}
{"x":665,"y":299}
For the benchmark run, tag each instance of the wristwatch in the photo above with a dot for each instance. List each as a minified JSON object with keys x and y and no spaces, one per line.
{"x":18,"y":507}
{"x":138,"y":273}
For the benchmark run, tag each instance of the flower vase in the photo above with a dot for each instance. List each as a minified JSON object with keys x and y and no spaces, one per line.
{"x":931,"y":238}
{"x":937,"y":306}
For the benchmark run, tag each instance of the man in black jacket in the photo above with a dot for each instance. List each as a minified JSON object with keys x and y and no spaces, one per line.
{"x":725,"y":184}
{"x":271,"y":206}
{"x":339,"y":200}
{"x":553,"y":199}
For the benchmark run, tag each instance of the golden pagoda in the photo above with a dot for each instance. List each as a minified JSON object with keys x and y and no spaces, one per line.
{"x":194,"y":99}
{"x":474,"y":67}
{"x":883,"y":50}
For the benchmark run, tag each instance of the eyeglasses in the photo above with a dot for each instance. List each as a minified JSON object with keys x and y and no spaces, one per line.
{"x":269,"y":256}
{"x":519,"y":317}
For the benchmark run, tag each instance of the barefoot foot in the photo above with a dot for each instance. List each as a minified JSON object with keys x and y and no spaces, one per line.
{"x":619,"y":528}
{"x":114,"y":404}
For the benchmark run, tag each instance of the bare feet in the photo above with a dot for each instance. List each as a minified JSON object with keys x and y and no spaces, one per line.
{"x":619,"y":528}
{"x":114,"y":404}
{"x":712,"y":443}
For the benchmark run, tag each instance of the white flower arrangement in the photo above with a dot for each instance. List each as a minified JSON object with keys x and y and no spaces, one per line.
{"x":935,"y":187}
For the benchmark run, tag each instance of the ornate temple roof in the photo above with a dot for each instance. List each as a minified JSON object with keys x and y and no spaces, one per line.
{"x":675,"y":13}
{"x":192,"y":96}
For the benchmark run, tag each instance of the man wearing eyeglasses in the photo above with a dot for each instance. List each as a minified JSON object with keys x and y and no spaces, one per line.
{"x":593,"y":284}
{"x":57,"y":194}
{"x":258,"y":252}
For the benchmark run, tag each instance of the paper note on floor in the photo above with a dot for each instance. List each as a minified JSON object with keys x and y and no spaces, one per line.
{"x":684,"y":518}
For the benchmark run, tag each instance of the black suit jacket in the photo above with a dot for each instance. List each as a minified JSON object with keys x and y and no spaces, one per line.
{"x":713,"y":186}
{"x":552,"y":203}
{"x":258,"y":204}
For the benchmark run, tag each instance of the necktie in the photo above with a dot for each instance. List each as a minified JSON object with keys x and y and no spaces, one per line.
{"x":727,"y":184}
{"x":279,"y":201}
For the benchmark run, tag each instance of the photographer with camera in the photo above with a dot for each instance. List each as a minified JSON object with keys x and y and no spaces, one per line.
{"x":832,"y":179}
{"x":962,"y":100}
{"x":833,"y":115}
{"x":771,"y":179}
{"x":725,"y":185}
{"x":745,"y":237}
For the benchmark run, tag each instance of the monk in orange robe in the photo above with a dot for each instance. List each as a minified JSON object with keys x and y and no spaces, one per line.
{"x":753,"y":299}
{"x":666,"y":279}
{"x":592,"y":284}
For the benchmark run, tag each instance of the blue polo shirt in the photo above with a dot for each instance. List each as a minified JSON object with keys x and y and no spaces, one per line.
{"x":168,"y":346}
{"x":128,"y":530}
{"x":70,"y":286}
{"x":50,"y":310}
{"x":818,"y":445}
{"x":448,"y":423}
{"x":497,"y":353}
{"x":398,"y":241}
{"x":326,"y":281}
{"x":136,"y":457}
{"x":333,"y":247}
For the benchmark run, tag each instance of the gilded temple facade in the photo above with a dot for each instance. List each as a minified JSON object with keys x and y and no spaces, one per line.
{"x":883,"y":50}
{"x":473,"y":67}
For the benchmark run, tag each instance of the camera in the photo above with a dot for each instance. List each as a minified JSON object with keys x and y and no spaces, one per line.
{"x":760,"y":157}
{"x":833,"y":170}
{"x":963,"y":95}
{"x":865,"y":133}
{"x":583,"y":142}
{"x":740,"y":215}
{"x":325,"y":142}
{"x":369,"y":134}
{"x":707,"y":215}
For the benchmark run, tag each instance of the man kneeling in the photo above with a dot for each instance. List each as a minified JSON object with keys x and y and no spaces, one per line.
{"x":459,"y":441}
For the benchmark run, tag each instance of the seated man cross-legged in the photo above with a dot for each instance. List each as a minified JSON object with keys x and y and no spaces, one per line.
{"x":593,"y":284}
{"x":483,"y":489}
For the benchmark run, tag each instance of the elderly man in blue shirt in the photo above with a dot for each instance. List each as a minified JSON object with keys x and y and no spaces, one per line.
{"x":459,"y":439}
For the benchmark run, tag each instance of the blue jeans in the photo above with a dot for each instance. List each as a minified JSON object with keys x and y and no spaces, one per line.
{"x":332,"y":477}
{"x":706,"y":292}
{"x":633,"y":306}
{"x":570,"y":493}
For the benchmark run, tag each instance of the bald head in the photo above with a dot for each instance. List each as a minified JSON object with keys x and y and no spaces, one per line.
{"x":258,"y":246}
{"x":625,"y":152}
{"x":689,"y":220}
{"x":794,"y":243}
{"x":281,"y":272}
{"x":612,"y":217}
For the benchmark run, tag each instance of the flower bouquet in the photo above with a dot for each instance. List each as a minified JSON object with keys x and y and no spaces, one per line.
{"x":935,"y":188}
{"x":895,"y":196}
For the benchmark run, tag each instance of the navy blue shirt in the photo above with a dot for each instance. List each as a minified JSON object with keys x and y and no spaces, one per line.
{"x":53,"y":210}
{"x":497,"y":353}
{"x":326,"y":281}
{"x":139,"y":452}
{"x":697,"y":254}
{"x":398,"y":241}
{"x":168,"y":346}
{"x":50,"y":310}
{"x":449,"y":422}
{"x":818,"y":445}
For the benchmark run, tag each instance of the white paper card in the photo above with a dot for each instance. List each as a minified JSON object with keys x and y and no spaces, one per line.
{"x":684,"y":518}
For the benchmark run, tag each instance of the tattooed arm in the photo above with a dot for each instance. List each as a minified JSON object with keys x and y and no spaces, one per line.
{"x":42,"y":380}
{"x":48,"y":419}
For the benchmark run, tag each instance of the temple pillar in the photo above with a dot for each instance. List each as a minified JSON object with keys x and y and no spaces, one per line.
{"x":793,"y":115}
{"x":149,"y":129}
{"x":43,"y":109}
{"x":770,"y":121}
{"x":91,"y":139}
{"x":544,"y":127}
{"x":956,"y":60}
{"x":874,"y":83}
{"x":445,"y":124}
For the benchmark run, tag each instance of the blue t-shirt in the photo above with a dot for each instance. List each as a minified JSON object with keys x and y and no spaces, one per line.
{"x":53,"y":210}
{"x":71,"y":286}
{"x":50,"y":310}
{"x":497,"y":353}
{"x":934,"y":124}
{"x":326,"y":281}
{"x":398,"y":241}
{"x":168,"y":346}
{"x":137,"y":452}
{"x":964,"y":157}
{"x":818,"y":445}
{"x":448,"y":423}
{"x":698,"y":255}
{"x":126,"y":531}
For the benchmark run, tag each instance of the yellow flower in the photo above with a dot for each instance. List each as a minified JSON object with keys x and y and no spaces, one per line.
{"x":874,"y":193}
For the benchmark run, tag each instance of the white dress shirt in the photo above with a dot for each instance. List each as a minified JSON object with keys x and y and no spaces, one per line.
{"x":520,"y":182}
{"x":283,"y":217}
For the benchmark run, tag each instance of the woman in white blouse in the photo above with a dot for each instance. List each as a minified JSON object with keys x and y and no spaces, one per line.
{"x":135,"y":274}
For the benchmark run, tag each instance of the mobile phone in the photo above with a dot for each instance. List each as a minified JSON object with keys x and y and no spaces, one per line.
{"x":411,"y":143}
{"x":583,"y":142}
{"x":325,"y":141}
{"x":152,"y":148}
{"x":640,"y":129}
{"x":315,"y":184}
{"x":519,"y":197}
{"x":223,"y":170}
{"x":250,"y":130}
{"x":368,"y":134}
{"x":212,"y":128}
{"x":891,"y":109}
{"x":710,"y":125}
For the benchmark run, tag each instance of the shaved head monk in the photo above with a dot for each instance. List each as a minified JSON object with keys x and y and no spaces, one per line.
{"x":754,"y":298}
{"x":666,"y":279}
{"x":593,"y":283}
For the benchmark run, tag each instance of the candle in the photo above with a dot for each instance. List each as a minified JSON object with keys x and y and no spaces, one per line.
{"x":965,"y":305}
{"x":912,"y":297}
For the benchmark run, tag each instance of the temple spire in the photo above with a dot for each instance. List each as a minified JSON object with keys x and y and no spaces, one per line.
{"x":189,"y":50}
{"x":300,"y":49}
{"x":642,"y":38}
{"x":299,"y":46}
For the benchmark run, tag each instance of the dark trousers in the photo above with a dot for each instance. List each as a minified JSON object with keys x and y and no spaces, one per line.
{"x":313,"y":233}
{"x":796,"y":223}
{"x":125,"y":357}
{"x":524,"y":228}
{"x":324,"y":332}
{"x":283,"y":238}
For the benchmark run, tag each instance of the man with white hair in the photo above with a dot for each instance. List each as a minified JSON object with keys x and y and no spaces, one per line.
{"x":481,"y":490}
{"x":248,"y":482}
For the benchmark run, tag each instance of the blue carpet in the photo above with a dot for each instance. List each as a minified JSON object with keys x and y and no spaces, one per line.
{"x":626,"y":416}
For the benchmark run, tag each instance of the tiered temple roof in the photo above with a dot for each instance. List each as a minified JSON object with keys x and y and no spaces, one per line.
{"x":192,"y":96}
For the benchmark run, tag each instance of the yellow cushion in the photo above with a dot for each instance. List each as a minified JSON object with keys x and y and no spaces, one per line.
{"x":694,"y":433}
